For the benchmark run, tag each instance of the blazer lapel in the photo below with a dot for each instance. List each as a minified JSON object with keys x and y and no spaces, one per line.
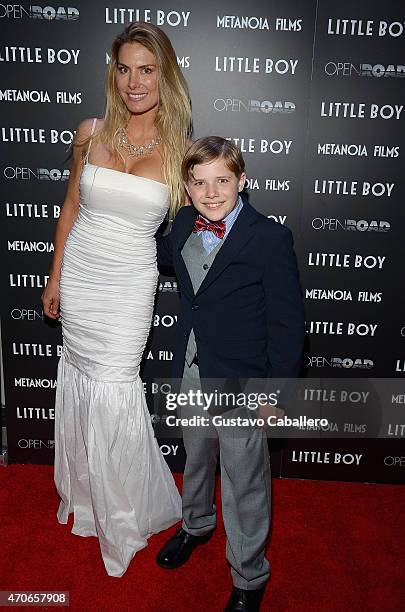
{"x":240,"y":233}
{"x":184,"y":232}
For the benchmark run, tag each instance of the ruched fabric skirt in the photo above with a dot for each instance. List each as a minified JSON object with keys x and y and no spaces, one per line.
{"x":109,"y":470}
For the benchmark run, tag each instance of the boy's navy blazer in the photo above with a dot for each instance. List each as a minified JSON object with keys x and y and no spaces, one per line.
{"x":247,"y":315}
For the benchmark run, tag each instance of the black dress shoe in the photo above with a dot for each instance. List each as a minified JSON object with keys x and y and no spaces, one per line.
{"x":244,"y":601}
{"x":178,"y":549}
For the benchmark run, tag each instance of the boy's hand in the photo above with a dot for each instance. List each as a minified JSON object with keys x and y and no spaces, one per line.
{"x":266,"y":411}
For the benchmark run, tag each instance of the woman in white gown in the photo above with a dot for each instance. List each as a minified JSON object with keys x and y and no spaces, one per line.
{"x":109,"y":470}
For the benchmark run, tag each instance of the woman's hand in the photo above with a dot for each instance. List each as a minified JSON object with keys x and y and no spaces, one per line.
{"x":50,"y":299}
{"x":68,"y":215}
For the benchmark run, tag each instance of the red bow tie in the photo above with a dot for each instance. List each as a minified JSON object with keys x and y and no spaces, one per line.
{"x":217,"y":228}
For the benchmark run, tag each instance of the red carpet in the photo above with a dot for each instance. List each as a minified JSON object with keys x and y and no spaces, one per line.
{"x":334,"y":547}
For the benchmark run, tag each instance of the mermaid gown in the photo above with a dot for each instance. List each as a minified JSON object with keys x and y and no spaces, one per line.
{"x":109,"y":470}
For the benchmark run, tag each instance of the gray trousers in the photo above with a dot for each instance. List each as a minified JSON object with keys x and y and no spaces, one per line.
{"x":245,"y":486}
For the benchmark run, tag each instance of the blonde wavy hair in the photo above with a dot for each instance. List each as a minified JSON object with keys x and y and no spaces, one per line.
{"x":173,"y":117}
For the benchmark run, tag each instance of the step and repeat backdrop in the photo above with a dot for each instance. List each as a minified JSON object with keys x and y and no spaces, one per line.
{"x":313,"y":94}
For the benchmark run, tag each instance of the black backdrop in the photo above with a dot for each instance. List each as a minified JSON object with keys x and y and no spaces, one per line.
{"x":313,"y":95}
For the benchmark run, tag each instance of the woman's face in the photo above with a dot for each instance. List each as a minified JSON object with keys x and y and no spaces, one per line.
{"x":136,"y":78}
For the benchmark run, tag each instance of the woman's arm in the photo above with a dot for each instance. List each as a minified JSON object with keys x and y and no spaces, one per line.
{"x":70,"y":209}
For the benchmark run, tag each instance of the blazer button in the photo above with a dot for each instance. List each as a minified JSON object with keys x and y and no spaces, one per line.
{"x":205,"y":267}
{"x":195,"y":307}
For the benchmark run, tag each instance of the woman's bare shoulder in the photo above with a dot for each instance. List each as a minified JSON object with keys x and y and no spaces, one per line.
{"x":85,"y":127}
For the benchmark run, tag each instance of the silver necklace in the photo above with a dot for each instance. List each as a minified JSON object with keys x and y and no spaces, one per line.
{"x":136,"y":151}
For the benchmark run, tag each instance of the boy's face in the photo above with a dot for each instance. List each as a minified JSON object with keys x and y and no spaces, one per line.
{"x":214,"y":189}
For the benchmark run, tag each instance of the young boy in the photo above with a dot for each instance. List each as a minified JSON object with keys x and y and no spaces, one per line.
{"x":241,"y":316}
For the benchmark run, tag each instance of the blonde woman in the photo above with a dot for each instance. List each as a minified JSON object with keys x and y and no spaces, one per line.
{"x":126,"y":175}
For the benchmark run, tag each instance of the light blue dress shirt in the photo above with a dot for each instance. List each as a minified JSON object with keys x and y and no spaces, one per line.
{"x":209,"y":239}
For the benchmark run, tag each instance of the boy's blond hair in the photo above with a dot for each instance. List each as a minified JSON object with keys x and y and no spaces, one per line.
{"x":207,"y":149}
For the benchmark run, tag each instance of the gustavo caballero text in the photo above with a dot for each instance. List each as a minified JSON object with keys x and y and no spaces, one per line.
{"x":224,"y":421}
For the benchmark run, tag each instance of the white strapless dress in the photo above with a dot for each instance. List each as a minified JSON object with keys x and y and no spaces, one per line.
{"x":109,"y":470}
